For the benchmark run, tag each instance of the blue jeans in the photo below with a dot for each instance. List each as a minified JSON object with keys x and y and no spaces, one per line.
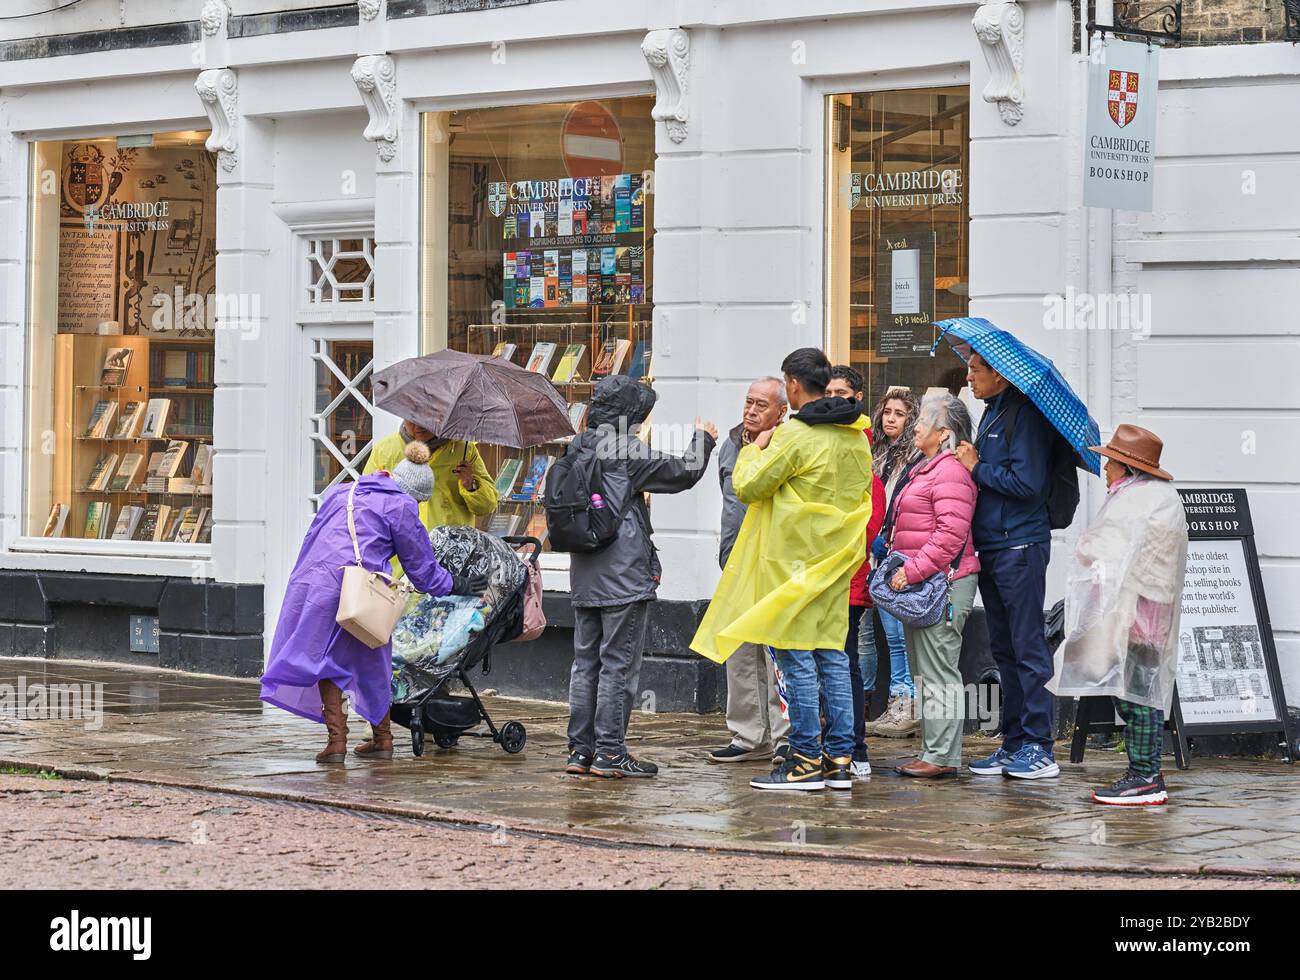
{"x":809,"y":676}
{"x":900,"y":674}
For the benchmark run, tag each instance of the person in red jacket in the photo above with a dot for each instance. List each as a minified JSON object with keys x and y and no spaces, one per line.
{"x":847,"y":383}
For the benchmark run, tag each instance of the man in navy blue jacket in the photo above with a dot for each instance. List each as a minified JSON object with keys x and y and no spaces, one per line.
{"x":1011,"y":464}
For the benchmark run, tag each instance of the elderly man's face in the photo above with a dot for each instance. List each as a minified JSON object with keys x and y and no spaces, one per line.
{"x":763,"y":407}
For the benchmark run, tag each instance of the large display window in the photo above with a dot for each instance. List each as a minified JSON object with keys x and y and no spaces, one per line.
{"x":120,"y":348}
{"x":898,"y":215}
{"x":537,"y":247}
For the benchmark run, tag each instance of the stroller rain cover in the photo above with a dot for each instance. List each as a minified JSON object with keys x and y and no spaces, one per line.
{"x":435,"y":631}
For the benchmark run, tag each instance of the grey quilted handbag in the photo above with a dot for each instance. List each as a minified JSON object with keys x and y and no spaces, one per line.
{"x":918,"y":606}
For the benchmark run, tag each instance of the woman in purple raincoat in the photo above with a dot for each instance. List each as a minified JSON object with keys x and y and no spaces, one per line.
{"x":313,"y":659}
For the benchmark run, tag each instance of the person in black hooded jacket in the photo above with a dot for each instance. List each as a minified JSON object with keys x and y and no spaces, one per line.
{"x":612,"y":588}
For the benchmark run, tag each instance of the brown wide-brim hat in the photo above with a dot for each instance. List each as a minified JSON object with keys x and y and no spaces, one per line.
{"x":1136,"y":447}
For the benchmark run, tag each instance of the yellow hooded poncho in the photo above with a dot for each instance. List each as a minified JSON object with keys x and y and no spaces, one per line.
{"x":786,"y":583}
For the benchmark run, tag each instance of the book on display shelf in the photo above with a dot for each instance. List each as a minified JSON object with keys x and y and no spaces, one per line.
{"x":537,"y":526}
{"x":568,"y":366}
{"x":56,"y":522}
{"x":533,"y":483}
{"x":126,"y":472}
{"x":503,"y":525}
{"x":504,"y":351}
{"x":540,"y":359}
{"x":127,"y":421}
{"x":612,"y":355}
{"x":101,"y":417}
{"x":168,"y":466}
{"x":154,"y":523}
{"x":507,"y":475}
{"x":97,"y":515}
{"x":128,"y":520}
{"x":578,"y":416}
{"x":102,"y":472}
{"x":155,"y":418}
{"x":116,"y":362}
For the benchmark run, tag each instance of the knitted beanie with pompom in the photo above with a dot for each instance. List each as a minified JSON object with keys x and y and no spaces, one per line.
{"x":413,"y":474}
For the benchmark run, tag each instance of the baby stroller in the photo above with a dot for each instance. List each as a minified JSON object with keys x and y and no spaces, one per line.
{"x":439,"y":639}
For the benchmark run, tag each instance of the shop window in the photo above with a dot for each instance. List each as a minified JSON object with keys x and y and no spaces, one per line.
{"x":537,"y":247}
{"x":120,"y":350}
{"x":898,"y":244}
{"x":341,"y":425}
{"x":340,"y":270}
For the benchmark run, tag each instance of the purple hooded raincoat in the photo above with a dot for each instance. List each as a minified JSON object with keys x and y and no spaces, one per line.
{"x":309,"y":645}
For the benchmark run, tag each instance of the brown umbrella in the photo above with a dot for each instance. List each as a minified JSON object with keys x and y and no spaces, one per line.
{"x":475,"y":398}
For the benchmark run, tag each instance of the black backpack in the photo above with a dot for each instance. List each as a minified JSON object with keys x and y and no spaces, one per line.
{"x":574,"y":480}
{"x":1062,"y":476}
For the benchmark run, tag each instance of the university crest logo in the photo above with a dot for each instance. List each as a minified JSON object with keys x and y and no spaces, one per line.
{"x":498,"y":197}
{"x":1122,"y":97}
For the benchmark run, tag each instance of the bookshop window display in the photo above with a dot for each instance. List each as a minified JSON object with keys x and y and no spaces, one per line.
{"x":120,"y":350}
{"x":898,"y":216}
{"x":538,"y":243}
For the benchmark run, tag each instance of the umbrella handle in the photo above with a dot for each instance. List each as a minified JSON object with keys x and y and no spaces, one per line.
{"x":937,"y":339}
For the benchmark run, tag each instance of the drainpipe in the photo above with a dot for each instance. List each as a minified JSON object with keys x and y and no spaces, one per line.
{"x":1099,"y":269}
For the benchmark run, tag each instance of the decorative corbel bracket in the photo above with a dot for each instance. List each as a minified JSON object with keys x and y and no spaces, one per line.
{"x":668,"y":53}
{"x":368,"y":9}
{"x":1000,"y":26}
{"x":218,"y":89}
{"x":376,"y":79}
{"x":213,"y":17}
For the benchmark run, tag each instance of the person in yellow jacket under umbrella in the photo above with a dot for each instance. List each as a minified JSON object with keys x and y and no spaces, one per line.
{"x":462,"y":486}
{"x":786,"y":584}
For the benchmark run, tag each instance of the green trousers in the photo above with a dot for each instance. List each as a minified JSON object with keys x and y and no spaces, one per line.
{"x":934,"y":654}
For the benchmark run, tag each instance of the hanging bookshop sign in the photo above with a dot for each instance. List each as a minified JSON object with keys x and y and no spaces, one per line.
{"x":573,"y":241}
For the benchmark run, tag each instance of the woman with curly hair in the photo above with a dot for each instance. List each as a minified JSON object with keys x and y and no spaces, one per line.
{"x":894,"y":453}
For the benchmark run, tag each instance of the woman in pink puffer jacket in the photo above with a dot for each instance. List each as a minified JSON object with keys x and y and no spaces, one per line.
{"x":931,"y":526}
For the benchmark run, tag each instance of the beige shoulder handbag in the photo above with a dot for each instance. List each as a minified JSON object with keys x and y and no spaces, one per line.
{"x":370,"y":603}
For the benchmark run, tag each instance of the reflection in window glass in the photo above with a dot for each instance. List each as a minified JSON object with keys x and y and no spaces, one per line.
{"x":121,"y":350}
{"x":898,"y":245}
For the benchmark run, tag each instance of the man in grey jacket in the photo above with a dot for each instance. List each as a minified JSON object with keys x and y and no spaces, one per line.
{"x":753,"y":705}
{"x":612,"y":588}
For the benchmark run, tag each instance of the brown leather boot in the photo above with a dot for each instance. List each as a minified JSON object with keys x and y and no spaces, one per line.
{"x":336,"y":723}
{"x":380,"y":743}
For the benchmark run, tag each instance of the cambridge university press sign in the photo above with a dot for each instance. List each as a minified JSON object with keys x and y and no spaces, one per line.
{"x":1119,"y":145}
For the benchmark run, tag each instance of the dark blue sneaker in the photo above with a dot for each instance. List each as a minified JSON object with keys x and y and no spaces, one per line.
{"x":1033,"y":761}
{"x":992,"y":765}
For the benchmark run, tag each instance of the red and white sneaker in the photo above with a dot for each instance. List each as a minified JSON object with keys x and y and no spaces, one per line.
{"x":1132,"y":789}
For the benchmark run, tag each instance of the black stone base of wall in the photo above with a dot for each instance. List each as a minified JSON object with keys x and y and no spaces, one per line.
{"x":204,"y":627}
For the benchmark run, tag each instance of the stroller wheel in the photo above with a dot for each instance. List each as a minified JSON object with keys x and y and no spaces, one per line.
{"x":445,"y":741}
{"x":417,"y":736}
{"x":513,"y":737}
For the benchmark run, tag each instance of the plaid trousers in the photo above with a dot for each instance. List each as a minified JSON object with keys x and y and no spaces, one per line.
{"x":1144,"y":734}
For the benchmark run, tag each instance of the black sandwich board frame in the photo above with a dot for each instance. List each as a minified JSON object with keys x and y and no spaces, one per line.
{"x":1227,"y":518}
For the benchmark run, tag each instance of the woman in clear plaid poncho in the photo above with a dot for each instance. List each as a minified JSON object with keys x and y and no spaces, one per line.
{"x":1123,"y":604}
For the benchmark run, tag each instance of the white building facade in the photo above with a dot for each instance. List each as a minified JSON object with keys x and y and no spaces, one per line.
{"x":353,"y":149}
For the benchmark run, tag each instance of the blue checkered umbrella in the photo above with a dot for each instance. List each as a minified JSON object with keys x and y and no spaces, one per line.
{"x":1033,"y":374}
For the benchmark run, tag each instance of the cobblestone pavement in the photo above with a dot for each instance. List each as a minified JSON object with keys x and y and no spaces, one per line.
{"x":1227,"y":816}
{"x":93,"y":835}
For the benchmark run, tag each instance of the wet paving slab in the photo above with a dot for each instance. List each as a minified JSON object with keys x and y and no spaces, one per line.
{"x":1235,"y":816}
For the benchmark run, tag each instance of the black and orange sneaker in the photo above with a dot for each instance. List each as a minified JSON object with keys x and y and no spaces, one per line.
{"x":1133,"y":789}
{"x":837,"y":772}
{"x":798,"y":772}
{"x":579,"y":763}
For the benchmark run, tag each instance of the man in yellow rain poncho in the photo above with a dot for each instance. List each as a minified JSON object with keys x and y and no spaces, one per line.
{"x":786,"y":585}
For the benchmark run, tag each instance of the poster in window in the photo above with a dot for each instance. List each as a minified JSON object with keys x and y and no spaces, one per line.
{"x":905,"y":288}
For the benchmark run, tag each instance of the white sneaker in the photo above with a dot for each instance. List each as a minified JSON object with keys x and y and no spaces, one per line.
{"x":860,"y":770}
